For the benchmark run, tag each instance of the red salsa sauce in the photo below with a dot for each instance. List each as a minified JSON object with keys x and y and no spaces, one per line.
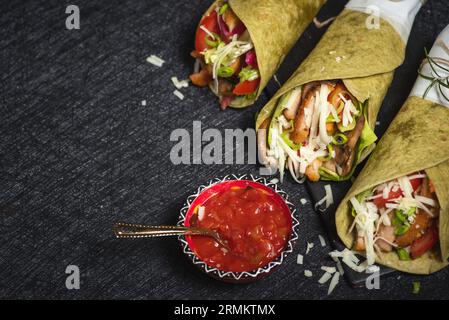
{"x":255,"y":223}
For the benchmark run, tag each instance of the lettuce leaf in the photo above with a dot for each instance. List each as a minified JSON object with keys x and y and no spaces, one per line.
{"x":277,"y":112}
{"x":360,"y":198}
{"x":366,"y":140}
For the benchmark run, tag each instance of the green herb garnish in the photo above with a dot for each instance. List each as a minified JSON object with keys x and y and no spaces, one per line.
{"x":251,"y":96}
{"x":400,"y":215}
{"x":223,"y":9}
{"x":435,"y":78}
{"x":225,"y":72}
{"x":401,"y":229}
{"x":403,"y":254}
{"x":416,"y":287}
{"x":248,"y":74}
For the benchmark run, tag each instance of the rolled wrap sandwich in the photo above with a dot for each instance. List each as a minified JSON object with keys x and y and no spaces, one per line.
{"x":397,"y":210}
{"x":239,"y":45}
{"x":320,"y":123}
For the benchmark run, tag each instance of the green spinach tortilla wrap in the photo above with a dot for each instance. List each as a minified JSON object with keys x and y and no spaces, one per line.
{"x":320,"y":123}
{"x":397,"y":210}
{"x":239,"y":45}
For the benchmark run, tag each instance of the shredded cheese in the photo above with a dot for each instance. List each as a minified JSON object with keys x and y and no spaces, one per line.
{"x":225,"y":54}
{"x":334,"y":282}
{"x":340,"y":267}
{"x":328,"y":269}
{"x":309,"y":247}
{"x":329,"y":195}
{"x":325,"y":278}
{"x":328,"y":199}
{"x":364,"y":221}
{"x":426,"y":200}
{"x":350,"y":259}
{"x":322,"y":241}
{"x":179,"y":84}
{"x":178,"y":94}
{"x":300,"y":259}
{"x":154,"y":60}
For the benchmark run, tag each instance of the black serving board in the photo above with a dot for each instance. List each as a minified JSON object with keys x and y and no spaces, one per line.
{"x":404,"y":79}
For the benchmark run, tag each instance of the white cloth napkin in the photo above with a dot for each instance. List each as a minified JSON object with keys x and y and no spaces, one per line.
{"x":399,"y":13}
{"x":440,"y":50}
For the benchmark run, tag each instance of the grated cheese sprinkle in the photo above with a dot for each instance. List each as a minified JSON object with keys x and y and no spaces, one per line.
{"x":322,"y":241}
{"x":328,"y":269}
{"x":178,"y":94}
{"x":325,"y":278}
{"x":179,"y":84}
{"x":300,"y":259}
{"x":309,"y":247}
{"x":154,"y":60}
{"x":334,"y":282}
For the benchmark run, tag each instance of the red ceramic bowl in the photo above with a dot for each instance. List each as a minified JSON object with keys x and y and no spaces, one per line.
{"x":219,"y":185}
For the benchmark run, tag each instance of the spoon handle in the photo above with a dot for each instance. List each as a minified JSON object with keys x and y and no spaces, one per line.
{"x":128,"y":230}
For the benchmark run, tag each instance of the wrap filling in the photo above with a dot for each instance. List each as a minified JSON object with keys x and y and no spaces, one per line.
{"x":318,"y":131}
{"x":225,"y":58}
{"x":400,"y":215}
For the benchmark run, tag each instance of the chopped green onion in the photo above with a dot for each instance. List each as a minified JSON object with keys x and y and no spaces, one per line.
{"x":403,"y":254}
{"x":411,"y":211}
{"x":251,"y":96}
{"x":339,"y":139}
{"x":416,"y":287}
{"x":396,"y":222}
{"x":398,"y":219}
{"x":248,"y":74}
{"x":223,"y":9}
{"x":400,"y":215}
{"x":212,"y":43}
{"x":331,"y":118}
{"x":290,"y":143}
{"x":402,"y":229}
{"x":225,"y":72}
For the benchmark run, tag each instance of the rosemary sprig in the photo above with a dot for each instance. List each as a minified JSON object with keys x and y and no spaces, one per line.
{"x":437,"y":65}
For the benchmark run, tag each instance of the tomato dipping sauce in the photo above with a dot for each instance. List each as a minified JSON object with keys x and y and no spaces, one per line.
{"x":253,"y":219}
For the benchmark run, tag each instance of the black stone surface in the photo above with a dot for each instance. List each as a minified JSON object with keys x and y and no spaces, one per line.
{"x":79,"y":152}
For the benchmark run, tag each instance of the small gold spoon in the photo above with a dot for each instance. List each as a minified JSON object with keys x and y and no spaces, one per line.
{"x":128,"y":230}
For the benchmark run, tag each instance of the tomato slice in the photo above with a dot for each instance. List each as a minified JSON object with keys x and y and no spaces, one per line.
{"x":210,"y":22}
{"x":380,"y":202}
{"x":246,"y":87}
{"x":425,"y":243}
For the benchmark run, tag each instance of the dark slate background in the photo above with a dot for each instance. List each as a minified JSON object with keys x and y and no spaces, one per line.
{"x":79,"y":152}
